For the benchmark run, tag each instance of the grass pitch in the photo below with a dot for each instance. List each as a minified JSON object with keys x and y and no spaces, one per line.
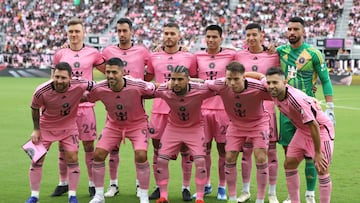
{"x":16,"y":126}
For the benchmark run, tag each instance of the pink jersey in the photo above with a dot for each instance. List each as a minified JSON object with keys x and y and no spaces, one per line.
{"x":125,"y":109}
{"x":301,"y":109}
{"x":245,"y":109}
{"x":259,"y":62}
{"x":59,"y":109}
{"x":161,"y":66}
{"x":135,"y":58}
{"x":185,"y":110}
{"x":81,"y":62}
{"x":211,"y":67}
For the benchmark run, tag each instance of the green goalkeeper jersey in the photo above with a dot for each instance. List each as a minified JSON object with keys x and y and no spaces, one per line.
{"x":302,"y":66}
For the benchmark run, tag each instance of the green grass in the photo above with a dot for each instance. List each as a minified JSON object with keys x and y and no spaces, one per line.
{"x":16,"y":126}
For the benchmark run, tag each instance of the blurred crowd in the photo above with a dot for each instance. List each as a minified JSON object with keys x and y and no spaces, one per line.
{"x":39,"y":26}
{"x":354,"y":22}
{"x":35,"y":28}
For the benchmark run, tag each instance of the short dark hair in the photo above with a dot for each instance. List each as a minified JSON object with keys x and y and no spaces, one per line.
{"x":64,"y":66}
{"x":172,"y":24}
{"x":125,"y":20}
{"x":181,"y":69}
{"x":75,"y":21}
{"x":275,"y":70}
{"x":235,"y":66}
{"x":297,"y":20}
{"x":252,"y":26}
{"x":115,"y":62}
{"x":214,"y":27}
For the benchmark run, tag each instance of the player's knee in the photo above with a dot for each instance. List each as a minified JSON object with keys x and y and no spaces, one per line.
{"x":140,"y":156}
{"x":100,"y":154}
{"x":231,"y":157}
{"x":88,"y":146}
{"x":290,"y":163}
{"x":200,"y":166}
{"x":71,"y":157}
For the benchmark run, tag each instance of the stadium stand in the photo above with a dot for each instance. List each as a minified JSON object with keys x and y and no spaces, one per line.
{"x":34,"y":29}
{"x":354,"y":22}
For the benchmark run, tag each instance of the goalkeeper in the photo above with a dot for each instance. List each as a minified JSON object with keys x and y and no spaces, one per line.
{"x":303,"y":64}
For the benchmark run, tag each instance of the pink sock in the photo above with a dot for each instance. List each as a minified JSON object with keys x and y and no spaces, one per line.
{"x":154,"y":165}
{"x":231,"y":178}
{"x":325,"y":187}
{"x":186,"y":164}
{"x":89,"y":157}
{"x":200,"y":177}
{"x":143,"y":174}
{"x":114,"y":160}
{"x":246,"y":162}
{"x":221,"y":171}
{"x":163,"y":175}
{"x":208,"y":165}
{"x":35,"y":174}
{"x":273,"y":163}
{"x":293,"y":184}
{"x":262,"y":176}
{"x":74,"y":175}
{"x":99,"y":173}
{"x":62,"y":166}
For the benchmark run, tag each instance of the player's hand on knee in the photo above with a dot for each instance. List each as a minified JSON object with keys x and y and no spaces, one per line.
{"x":320,"y":163}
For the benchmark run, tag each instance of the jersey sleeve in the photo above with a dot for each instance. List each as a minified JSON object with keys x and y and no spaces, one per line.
{"x":92,"y":96}
{"x":216,"y":85}
{"x":57,"y":57}
{"x":149,"y":89}
{"x":99,"y":59}
{"x":322,"y":71}
{"x":150,"y":67}
{"x":193,"y":67}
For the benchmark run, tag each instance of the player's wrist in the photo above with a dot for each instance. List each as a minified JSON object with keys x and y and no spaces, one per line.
{"x":329,"y":105}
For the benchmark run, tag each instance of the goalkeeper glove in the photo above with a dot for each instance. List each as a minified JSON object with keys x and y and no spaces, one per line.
{"x":330,"y":112}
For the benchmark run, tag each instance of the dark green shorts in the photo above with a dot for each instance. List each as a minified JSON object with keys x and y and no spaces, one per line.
{"x":287,"y":130}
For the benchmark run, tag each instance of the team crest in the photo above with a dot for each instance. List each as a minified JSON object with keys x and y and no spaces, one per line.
{"x":66,"y":105}
{"x":254,"y":68}
{"x":182,"y":108}
{"x":77,"y":65}
{"x":212,"y":65}
{"x":119,"y":106}
{"x":125,"y":63}
{"x":238,"y":105}
{"x":302,"y":60}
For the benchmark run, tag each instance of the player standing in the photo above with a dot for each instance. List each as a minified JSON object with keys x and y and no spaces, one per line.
{"x":243,"y":101}
{"x":211,"y":65}
{"x":183,"y":128}
{"x":255,"y":58}
{"x":314,"y":135}
{"x":82,"y":59}
{"x":160,"y":67}
{"x":126,"y":118}
{"x":302,"y":65}
{"x":135,"y":58}
{"x":58,"y":100}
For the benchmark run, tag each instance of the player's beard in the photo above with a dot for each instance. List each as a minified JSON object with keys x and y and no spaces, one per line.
{"x":112,"y":83}
{"x":293,"y":39}
{"x":179,"y":91}
{"x":61,"y":87}
{"x":123,"y":41}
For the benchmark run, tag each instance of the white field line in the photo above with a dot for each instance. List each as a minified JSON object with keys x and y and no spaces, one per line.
{"x":323,"y":103}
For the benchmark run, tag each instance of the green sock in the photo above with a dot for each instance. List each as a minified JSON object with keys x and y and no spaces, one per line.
{"x":311,"y":175}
